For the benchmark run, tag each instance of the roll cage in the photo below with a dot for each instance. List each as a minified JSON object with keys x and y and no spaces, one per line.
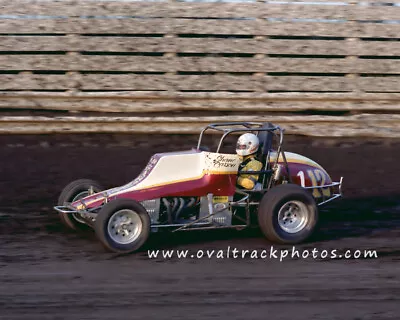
{"x":266,"y":133}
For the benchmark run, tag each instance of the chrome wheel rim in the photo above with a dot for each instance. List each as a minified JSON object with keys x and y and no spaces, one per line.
{"x":125,"y":226}
{"x":293,"y":216}
{"x":80,"y":195}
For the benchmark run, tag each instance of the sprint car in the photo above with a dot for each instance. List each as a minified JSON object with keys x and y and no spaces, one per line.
{"x":196,"y":189}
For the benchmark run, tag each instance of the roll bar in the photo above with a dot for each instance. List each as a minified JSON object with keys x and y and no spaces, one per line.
{"x":228,"y":128}
{"x":237,"y":127}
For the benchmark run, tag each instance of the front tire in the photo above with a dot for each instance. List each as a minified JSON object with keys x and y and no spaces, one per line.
{"x":76,"y":190}
{"x":123,"y":225}
{"x":287,"y":214}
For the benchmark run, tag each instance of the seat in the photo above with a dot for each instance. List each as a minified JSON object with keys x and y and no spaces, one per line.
{"x":265,"y":138}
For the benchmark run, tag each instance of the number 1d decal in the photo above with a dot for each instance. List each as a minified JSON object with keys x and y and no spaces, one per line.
{"x":302,"y":178}
{"x":318,"y":179}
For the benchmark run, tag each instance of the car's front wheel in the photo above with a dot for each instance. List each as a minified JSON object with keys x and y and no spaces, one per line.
{"x":74,"y":191}
{"x":287,"y":214}
{"x":122,"y":225}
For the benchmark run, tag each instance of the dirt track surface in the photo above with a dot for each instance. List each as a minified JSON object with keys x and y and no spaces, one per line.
{"x":48,"y":272}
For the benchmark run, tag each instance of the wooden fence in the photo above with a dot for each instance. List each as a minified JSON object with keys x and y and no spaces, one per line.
{"x":320,"y":68}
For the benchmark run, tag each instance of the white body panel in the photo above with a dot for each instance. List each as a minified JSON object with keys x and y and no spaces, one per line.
{"x":174,"y":167}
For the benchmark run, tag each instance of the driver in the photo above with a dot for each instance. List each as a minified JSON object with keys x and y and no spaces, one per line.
{"x":246,"y":147}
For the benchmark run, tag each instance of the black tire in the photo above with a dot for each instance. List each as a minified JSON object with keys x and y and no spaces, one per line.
{"x":304,"y":213}
{"x":74,"y":191}
{"x":139,"y":230}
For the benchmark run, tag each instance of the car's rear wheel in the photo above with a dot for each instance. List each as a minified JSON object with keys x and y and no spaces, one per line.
{"x":76,"y":190}
{"x":287,"y":214}
{"x":122,"y":225}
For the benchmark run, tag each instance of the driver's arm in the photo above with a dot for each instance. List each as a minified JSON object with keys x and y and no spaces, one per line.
{"x":248,"y":181}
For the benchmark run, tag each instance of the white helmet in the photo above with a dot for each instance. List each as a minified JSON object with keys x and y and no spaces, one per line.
{"x":247,"y":144}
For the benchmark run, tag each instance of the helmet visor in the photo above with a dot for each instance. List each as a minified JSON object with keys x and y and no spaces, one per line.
{"x":241,"y":146}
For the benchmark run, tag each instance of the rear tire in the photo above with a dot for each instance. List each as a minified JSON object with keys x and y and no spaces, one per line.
{"x":287,"y":214}
{"x":123,"y":225}
{"x":76,"y":190}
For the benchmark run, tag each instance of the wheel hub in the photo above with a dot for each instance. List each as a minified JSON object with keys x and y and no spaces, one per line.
{"x":80,"y":195}
{"x":293,"y":216}
{"x":124,"y":226}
